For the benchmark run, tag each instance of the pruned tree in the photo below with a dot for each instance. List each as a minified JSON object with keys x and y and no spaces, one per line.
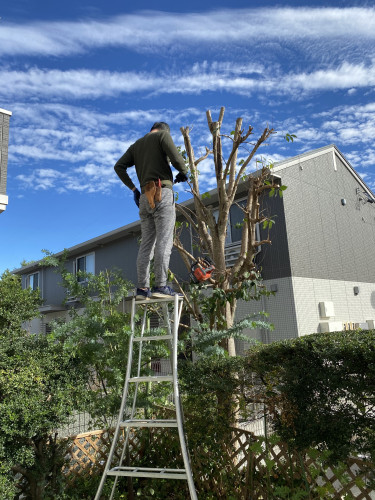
{"x":210,"y":223}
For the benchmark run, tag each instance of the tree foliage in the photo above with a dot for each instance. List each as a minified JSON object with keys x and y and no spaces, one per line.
{"x":16,"y":305}
{"x":97,"y":333}
{"x":40,"y":387}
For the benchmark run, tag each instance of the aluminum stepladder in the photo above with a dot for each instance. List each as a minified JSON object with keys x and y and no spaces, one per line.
{"x":127,"y":424}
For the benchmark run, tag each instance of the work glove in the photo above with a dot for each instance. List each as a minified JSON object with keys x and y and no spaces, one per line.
{"x":136,"y":195}
{"x":180,"y":177}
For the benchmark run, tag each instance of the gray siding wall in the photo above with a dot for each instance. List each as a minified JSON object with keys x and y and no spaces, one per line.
{"x":120,"y":254}
{"x":274,"y":260}
{"x":4,"y":140}
{"x":52,"y":289}
{"x":49,"y":283}
{"x":326,"y":239}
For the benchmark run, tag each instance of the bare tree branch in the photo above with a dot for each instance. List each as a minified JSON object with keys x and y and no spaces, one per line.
{"x":187,"y":216}
{"x":208,"y":152}
{"x":267,"y":186}
{"x":202,"y":212}
{"x":193,"y":310}
{"x":232,"y":160}
{"x":266,"y":134}
{"x":184,"y":253}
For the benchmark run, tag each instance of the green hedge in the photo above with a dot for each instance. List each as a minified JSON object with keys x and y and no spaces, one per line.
{"x":320,"y":390}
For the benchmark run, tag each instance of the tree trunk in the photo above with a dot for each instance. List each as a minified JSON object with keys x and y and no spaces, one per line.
{"x":36,"y":490}
{"x":229,"y":316}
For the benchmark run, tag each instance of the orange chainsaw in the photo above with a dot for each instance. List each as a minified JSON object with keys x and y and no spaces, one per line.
{"x":201,"y":270}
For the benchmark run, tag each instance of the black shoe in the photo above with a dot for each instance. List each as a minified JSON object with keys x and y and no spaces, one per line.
{"x":163,"y":292}
{"x":143,"y":294}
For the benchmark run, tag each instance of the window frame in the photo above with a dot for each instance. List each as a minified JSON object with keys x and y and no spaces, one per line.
{"x":29,"y":276}
{"x":76,"y":270}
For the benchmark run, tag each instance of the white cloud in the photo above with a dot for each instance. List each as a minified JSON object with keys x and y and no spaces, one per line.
{"x":41,"y":179}
{"x":80,"y":154}
{"x":94,"y":84}
{"x":347,"y":76}
{"x":89,"y":178}
{"x":140,"y":31}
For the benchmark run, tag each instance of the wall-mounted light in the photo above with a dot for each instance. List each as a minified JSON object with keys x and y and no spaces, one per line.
{"x":356,"y":290}
{"x":343,"y":201}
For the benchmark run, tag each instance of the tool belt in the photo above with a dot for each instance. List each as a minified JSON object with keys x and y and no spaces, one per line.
{"x":153,"y":192}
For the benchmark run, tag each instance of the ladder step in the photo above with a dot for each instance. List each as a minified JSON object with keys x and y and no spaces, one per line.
{"x":155,"y":337}
{"x":149,"y":423}
{"x":153,"y":378}
{"x":148,"y":472}
{"x":167,"y":298}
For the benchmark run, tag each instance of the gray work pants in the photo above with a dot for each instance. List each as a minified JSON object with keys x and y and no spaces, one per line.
{"x":157,"y":228}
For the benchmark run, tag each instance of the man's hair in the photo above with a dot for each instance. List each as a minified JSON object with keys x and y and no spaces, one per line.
{"x":160,"y":126}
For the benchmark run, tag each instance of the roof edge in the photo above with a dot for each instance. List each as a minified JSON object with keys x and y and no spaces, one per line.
{"x":304,"y":156}
{"x":5,"y":112}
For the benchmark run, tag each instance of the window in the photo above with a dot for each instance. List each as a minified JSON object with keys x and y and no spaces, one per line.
{"x":236,"y":217}
{"x":32,"y":281}
{"x":84,"y":265}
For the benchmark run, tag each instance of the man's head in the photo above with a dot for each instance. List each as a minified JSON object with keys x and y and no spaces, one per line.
{"x":160,"y":126}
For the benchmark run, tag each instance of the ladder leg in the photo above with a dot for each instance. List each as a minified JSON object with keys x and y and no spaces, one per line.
{"x":185,"y":456}
{"x":127,"y":430}
{"x":122,"y":407}
{"x":167,"y":325}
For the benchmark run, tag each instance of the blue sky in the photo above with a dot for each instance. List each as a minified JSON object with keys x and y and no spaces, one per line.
{"x":85,"y":79}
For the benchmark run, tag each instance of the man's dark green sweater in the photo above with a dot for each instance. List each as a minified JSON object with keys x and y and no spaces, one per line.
{"x":151,"y":155}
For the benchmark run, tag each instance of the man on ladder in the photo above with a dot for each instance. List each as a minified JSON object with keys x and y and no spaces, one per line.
{"x":151,"y":155}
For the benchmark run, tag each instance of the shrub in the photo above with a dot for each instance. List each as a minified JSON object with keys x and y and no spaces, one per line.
{"x":320,"y":390}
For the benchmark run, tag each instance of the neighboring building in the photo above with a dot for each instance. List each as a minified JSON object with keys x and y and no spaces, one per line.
{"x":322,"y":258}
{"x":321,"y":263}
{"x":4,"y":139}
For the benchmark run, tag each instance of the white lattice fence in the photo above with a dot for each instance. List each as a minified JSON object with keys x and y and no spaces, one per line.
{"x":260,"y":468}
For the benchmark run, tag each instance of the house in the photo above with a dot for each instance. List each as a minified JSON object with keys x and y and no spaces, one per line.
{"x":322,"y":260}
{"x":4,"y":139}
{"x":321,"y":264}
